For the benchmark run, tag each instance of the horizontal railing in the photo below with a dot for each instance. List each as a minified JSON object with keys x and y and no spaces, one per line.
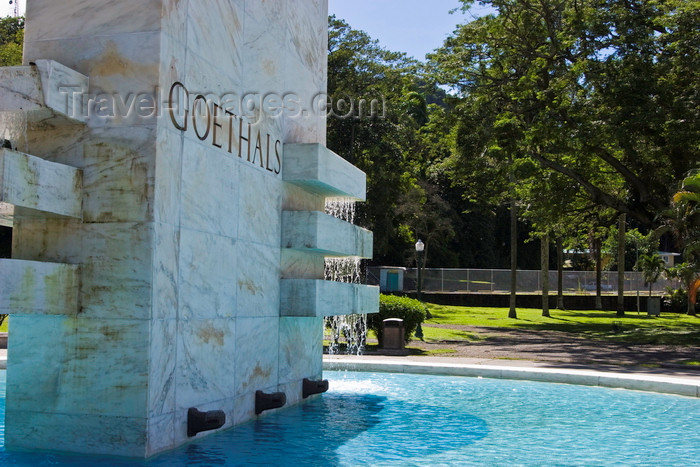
{"x":498,"y":281}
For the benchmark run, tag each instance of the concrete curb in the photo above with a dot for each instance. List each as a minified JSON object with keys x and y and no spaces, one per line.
{"x":682,"y":386}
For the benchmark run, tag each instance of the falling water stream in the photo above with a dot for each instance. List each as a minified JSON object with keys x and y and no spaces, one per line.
{"x":352,"y":329}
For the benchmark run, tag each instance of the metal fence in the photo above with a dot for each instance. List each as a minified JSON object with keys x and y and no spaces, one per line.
{"x":498,"y":281}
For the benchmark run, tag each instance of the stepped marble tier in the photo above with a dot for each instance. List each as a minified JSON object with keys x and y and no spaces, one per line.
{"x":36,"y":184}
{"x":322,"y":234}
{"x":43,"y":92}
{"x":319,"y":170}
{"x":309,"y":236}
{"x":319,"y":298}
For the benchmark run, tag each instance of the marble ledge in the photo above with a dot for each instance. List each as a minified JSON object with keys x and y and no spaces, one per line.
{"x":320,"y":298}
{"x":320,"y":233}
{"x":319,"y":170}
{"x":42,"y":91}
{"x":34,"y":183}
{"x":34,"y":287}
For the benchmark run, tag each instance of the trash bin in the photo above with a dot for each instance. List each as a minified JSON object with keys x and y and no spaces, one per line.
{"x":393,"y":333}
{"x":653,"y":306}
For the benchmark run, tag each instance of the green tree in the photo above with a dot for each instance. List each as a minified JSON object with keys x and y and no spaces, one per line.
{"x":391,"y":145}
{"x":580,"y":84}
{"x":652,"y":266}
{"x":11,"y":41}
{"x":682,"y":220}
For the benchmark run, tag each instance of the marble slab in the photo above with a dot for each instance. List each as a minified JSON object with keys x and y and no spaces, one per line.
{"x":20,"y":88}
{"x":320,"y":233}
{"x":58,"y":84}
{"x":208,"y":274}
{"x":52,"y":20}
{"x":320,"y":170}
{"x":300,"y":340}
{"x":90,"y":434}
{"x":33,"y":287}
{"x":318,"y":298}
{"x":256,"y":354}
{"x":34,"y":183}
{"x":43,"y":91}
{"x":257,"y":282}
{"x":206,"y":357}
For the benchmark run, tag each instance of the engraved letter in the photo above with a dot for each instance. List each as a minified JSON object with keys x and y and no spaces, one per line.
{"x":182,"y":127}
{"x":216,"y":124}
{"x":194,"y":116}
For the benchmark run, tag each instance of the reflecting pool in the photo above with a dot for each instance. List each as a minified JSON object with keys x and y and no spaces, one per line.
{"x":402,"y":419}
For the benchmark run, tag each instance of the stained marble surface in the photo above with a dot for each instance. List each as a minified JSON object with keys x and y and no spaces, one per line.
{"x":58,"y":82}
{"x":180,"y":242}
{"x":319,"y":298}
{"x":33,"y":183}
{"x":43,"y":91}
{"x":39,"y":287}
{"x":324,"y":234}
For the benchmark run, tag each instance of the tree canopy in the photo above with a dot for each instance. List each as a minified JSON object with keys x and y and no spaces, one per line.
{"x":589,"y":90}
{"x":11,"y":40}
{"x":571,"y":112}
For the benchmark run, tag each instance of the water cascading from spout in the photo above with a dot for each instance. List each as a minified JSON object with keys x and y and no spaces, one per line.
{"x":341,"y":208}
{"x":350,"y":328}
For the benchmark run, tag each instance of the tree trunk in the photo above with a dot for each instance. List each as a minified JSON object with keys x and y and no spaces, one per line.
{"x":560,"y":274}
{"x":544,"y":267}
{"x":513,"y":257}
{"x":691,"y":306}
{"x":598,"y":273}
{"x":621,"y":265}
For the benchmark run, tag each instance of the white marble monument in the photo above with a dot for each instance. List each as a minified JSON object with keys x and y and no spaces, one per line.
{"x":165,"y":182}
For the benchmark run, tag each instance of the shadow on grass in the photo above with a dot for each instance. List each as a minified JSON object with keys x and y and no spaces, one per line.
{"x":620,"y":330}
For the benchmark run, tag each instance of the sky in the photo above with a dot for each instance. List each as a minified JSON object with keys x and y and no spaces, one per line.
{"x":416,"y":27}
{"x":6,"y":9}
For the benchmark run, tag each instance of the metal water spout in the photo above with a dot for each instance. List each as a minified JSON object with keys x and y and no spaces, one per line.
{"x":310,"y":387}
{"x":265,"y":401}
{"x":204,"y":421}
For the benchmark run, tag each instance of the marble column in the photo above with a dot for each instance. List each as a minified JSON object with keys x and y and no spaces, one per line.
{"x":172,"y":270}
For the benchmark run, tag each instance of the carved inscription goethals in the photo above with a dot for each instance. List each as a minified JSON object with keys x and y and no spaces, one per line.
{"x":219,"y":126}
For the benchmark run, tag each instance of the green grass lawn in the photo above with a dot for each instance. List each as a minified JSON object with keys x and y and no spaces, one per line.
{"x":3,"y":327}
{"x":448,"y":335}
{"x":633,"y":328}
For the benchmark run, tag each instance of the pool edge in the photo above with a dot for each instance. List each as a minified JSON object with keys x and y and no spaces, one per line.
{"x":666,"y":384}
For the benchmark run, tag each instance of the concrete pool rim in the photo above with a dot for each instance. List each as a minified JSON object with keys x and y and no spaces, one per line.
{"x":684,"y":385}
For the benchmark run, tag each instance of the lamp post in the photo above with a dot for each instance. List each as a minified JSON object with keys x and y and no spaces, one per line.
{"x":420,"y":246}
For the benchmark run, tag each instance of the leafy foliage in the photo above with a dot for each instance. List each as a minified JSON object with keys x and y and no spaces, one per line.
{"x":682,"y":220}
{"x":396,"y":146}
{"x":11,"y":41}
{"x":652,"y":266}
{"x":411,"y":311}
{"x":577,"y":94}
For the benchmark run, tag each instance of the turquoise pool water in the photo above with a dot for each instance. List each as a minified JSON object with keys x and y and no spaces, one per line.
{"x":398,"y":419}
